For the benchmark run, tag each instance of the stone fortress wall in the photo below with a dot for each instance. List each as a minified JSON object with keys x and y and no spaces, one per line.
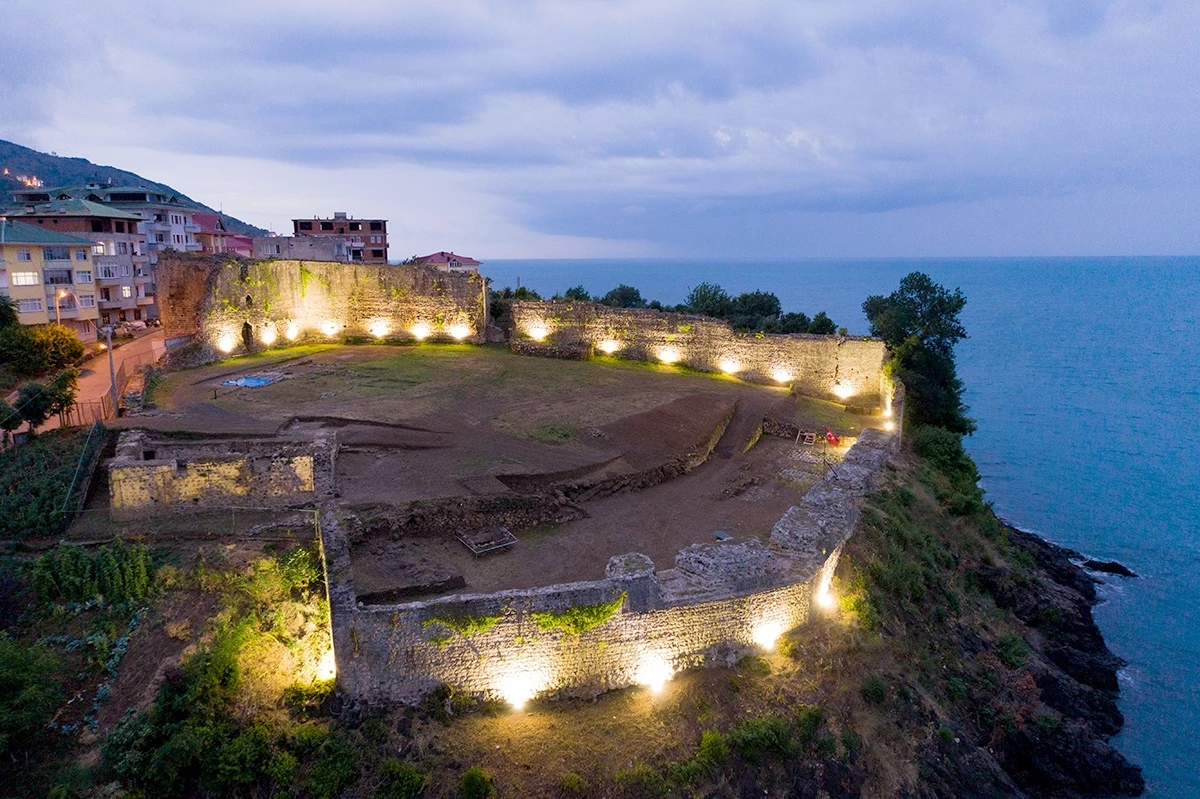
{"x":846,"y":368}
{"x":154,"y":473}
{"x":235,"y":306}
{"x":719,"y":601}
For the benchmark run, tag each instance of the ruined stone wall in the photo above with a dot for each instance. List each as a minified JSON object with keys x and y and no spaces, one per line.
{"x":718,"y":602}
{"x":846,"y":368}
{"x":235,"y":305}
{"x":148,"y":474}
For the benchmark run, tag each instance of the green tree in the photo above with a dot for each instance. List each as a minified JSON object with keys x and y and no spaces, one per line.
{"x":577,"y":293}
{"x":8,"y":313}
{"x":709,"y":299}
{"x":19,"y":351}
{"x":792,"y":323}
{"x":920,"y":324}
{"x":34,"y":403}
{"x":822,"y":325}
{"x":624,"y":296}
{"x":10,"y":420}
{"x":59,"y":345}
{"x":63,"y":389}
{"x":27,"y":694}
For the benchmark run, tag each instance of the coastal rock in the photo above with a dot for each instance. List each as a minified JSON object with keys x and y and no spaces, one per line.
{"x":1109,"y":567}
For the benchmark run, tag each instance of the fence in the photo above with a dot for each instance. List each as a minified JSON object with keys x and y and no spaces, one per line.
{"x":100,"y":410}
{"x":89,"y":457}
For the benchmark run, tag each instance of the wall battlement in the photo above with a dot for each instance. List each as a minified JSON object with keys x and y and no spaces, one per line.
{"x":715,"y":604}
{"x":846,"y":368}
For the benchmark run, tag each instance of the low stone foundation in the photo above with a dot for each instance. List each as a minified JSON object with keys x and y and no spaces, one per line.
{"x":152,"y":472}
{"x":635,"y":626}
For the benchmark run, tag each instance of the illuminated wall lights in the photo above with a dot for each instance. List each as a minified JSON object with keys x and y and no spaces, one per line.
{"x":538,"y":332}
{"x":379,"y":328}
{"x":293,"y":331}
{"x":226,"y":343}
{"x":609,"y":346}
{"x":668,"y":355}
{"x":654,"y":671}
{"x":842,"y":390}
{"x":459,"y":331}
{"x":730,"y":366}
{"x":330,"y":327}
{"x":766,"y":633}
{"x":781,"y":375}
{"x":420,"y":331}
{"x":327,"y":666}
{"x":268,"y":335}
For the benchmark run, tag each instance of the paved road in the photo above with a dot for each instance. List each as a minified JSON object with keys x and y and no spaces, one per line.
{"x":94,"y":381}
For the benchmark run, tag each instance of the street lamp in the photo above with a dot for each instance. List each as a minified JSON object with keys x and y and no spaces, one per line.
{"x":58,"y":295}
{"x":112,"y":372}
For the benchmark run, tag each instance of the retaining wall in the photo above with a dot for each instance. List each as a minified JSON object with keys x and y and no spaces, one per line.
{"x":237,"y":305}
{"x":846,"y":368}
{"x":718,"y":602}
{"x":150,"y":473}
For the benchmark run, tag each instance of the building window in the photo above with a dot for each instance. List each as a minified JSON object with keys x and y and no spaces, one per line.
{"x":120,"y":226}
{"x":83,"y":277}
{"x":126,"y":292}
{"x":25,"y":278}
{"x":326,"y":226}
{"x":106,"y":271}
{"x":159,"y":238}
{"x":122,"y":248}
{"x":81,"y":255}
{"x":304,"y":226}
{"x":56,"y":253}
{"x":160,"y":218}
{"x":57,"y":277}
{"x":97,"y":226}
{"x":24,"y":255}
{"x":376,"y":253}
{"x":376,"y":226}
{"x":29,"y":306}
{"x":87,"y":301}
{"x":355,"y":226}
{"x":124,"y":270}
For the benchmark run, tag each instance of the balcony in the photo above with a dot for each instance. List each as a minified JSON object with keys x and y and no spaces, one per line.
{"x":147,"y":300}
{"x":141,"y":280}
{"x":117,"y":303}
{"x":151,"y":226}
{"x":193,"y":246}
{"x":192,"y":228}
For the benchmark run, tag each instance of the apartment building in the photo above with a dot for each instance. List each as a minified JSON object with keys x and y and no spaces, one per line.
{"x":123,"y":278}
{"x":363,"y":240}
{"x":214,"y":238}
{"x":448,"y":262}
{"x":50,"y":276}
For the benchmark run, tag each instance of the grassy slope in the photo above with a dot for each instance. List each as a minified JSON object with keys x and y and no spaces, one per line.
{"x":958,"y":664}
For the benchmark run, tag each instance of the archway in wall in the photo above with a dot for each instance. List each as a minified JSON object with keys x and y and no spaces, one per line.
{"x":247,"y":336}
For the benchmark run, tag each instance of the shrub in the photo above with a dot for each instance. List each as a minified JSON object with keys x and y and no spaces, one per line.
{"x":334,"y":770}
{"x":243,"y":758}
{"x":37,"y":477}
{"x":573,"y":784}
{"x":116,"y":573}
{"x":641,"y":781}
{"x":476,"y":784}
{"x":27,"y":694}
{"x":874,"y":690}
{"x":282,"y":769}
{"x":711,"y":755}
{"x":764,"y":736}
{"x":400,"y":781}
{"x":1013,"y":651}
{"x":808,"y":722}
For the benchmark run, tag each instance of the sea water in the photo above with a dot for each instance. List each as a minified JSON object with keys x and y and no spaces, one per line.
{"x":1083,"y":375}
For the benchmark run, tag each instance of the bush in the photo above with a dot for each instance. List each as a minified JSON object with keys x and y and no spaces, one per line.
{"x":765,"y":736}
{"x":1013,"y":651}
{"x":874,"y":690}
{"x":711,"y":755}
{"x":116,"y":573}
{"x":27,"y":694}
{"x":400,"y":781}
{"x":641,"y":781}
{"x":335,"y":769}
{"x":36,"y":477}
{"x":476,"y":784}
{"x":573,"y":784}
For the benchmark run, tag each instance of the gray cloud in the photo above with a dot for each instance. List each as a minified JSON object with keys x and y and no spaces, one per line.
{"x":574,"y":113}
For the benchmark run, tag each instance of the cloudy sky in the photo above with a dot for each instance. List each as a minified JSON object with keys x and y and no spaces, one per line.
{"x":642,"y":128}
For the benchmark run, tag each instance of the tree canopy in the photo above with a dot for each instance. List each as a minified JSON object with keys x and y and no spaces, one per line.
{"x":920,"y":324}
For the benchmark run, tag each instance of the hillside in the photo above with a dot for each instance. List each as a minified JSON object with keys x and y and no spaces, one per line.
{"x":56,"y":170}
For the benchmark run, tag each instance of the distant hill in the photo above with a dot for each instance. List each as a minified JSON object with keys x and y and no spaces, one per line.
{"x":55,"y":170}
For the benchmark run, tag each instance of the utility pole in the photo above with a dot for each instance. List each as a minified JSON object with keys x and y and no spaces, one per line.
{"x":112,"y":372}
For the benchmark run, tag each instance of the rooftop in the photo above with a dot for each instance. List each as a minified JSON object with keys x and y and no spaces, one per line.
{"x":444,"y":257}
{"x":74,"y":207}
{"x":14,"y":232}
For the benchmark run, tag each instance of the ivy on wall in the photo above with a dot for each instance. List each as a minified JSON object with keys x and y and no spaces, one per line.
{"x":575,"y":621}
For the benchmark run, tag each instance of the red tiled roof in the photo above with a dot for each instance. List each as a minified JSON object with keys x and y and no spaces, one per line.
{"x":444,"y":257}
{"x":207,"y":222}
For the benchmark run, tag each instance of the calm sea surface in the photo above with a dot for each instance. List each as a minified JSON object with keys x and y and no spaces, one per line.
{"x":1084,"y":377}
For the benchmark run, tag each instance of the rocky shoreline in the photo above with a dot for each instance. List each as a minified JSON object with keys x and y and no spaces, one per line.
{"x":1075,"y":673}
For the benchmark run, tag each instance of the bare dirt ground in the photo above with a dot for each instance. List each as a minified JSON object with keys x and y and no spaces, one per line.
{"x":436,"y":422}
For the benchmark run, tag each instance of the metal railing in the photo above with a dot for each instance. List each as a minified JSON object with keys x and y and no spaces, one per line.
{"x":88,"y":458}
